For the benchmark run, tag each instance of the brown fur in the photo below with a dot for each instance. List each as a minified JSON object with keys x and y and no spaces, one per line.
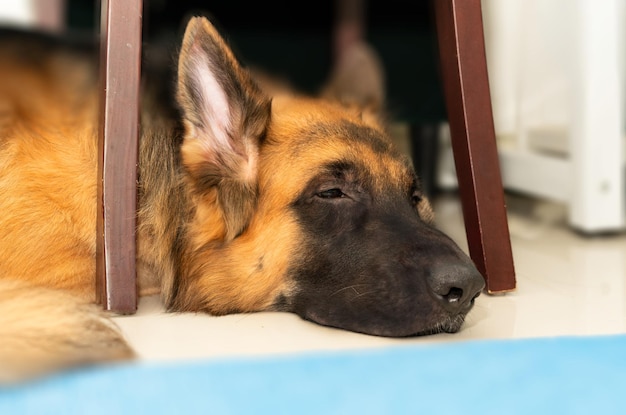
{"x":218,"y":178}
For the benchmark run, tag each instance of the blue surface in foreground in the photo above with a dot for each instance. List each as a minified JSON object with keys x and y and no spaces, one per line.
{"x":562,"y":375}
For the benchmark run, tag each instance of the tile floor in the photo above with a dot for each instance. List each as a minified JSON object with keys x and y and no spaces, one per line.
{"x":568,"y":284}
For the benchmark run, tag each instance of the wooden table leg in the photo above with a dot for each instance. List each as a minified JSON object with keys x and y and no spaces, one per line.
{"x":120,"y":56}
{"x":466,"y":87}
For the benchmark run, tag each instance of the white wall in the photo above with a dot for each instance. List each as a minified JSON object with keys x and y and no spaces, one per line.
{"x":556,"y":70}
{"x":45,"y":14}
{"x":531,"y":53}
{"x":17,"y":12}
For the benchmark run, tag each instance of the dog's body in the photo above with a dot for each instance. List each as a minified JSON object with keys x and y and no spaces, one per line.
{"x":247,"y":202}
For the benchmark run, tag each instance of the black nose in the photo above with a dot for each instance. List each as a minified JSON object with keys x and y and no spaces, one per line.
{"x":455,"y":286}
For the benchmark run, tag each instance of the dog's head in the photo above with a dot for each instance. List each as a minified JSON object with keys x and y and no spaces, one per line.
{"x":304,"y":205}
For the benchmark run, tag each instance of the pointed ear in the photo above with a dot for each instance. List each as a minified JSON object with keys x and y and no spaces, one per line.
{"x":358,"y":78}
{"x":225,"y":116}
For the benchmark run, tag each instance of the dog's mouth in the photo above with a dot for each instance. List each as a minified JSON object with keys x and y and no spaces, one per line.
{"x":450,"y":324}
{"x":443,"y":324}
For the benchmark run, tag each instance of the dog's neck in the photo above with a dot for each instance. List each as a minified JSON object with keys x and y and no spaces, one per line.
{"x":161,"y":195}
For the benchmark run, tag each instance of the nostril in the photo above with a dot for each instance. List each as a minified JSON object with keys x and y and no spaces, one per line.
{"x":454,"y":295}
{"x":455,"y":286}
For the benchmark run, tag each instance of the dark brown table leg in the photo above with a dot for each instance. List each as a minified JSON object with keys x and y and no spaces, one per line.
{"x":120,"y":56}
{"x":464,"y":74}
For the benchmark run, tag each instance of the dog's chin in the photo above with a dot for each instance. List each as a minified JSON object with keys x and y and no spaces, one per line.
{"x":451,"y":324}
{"x":447,"y":324}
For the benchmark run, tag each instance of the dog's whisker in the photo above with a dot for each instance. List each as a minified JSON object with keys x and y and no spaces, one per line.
{"x":365,"y":293}
{"x":352,"y":287}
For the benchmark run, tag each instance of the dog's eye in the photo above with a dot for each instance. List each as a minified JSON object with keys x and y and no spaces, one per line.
{"x":416,"y":198}
{"x":331,"y":194}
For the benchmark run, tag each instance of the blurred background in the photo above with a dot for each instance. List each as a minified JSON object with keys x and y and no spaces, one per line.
{"x":556,"y":73}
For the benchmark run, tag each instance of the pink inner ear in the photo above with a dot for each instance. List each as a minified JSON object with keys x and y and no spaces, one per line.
{"x":213,"y":107}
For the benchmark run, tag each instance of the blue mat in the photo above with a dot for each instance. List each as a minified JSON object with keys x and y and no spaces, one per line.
{"x":563,"y":375}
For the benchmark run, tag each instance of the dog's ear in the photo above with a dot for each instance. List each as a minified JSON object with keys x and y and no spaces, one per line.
{"x":357,"y":78}
{"x":225,"y":116}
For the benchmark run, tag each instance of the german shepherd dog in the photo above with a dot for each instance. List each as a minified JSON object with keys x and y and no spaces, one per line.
{"x":250,"y":199}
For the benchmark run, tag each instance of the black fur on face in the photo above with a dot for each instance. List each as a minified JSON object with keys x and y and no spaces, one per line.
{"x":371,"y":264}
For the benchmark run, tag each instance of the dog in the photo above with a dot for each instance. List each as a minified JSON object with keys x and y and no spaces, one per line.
{"x":250,"y":198}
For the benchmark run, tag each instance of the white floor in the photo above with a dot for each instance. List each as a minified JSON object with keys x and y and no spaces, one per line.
{"x":568,"y":284}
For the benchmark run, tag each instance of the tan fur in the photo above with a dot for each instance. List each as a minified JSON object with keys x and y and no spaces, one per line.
{"x":305,"y":158}
{"x":47,"y":177}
